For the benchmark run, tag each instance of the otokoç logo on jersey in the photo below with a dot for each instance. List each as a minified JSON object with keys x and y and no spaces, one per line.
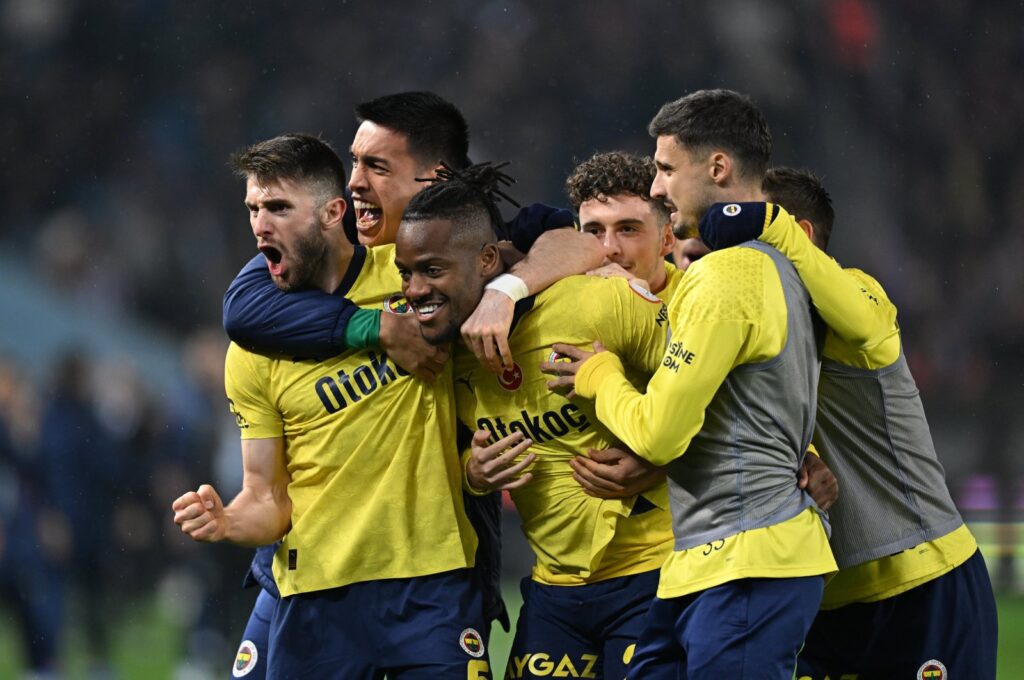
{"x":540,"y":428}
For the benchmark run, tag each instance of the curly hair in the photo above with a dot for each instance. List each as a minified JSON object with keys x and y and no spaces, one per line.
{"x":612,"y":174}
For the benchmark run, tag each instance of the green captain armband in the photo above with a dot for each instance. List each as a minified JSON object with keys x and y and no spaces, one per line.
{"x":363,"y":329}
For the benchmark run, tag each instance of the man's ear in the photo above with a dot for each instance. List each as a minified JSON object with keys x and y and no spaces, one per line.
{"x":808,"y":228}
{"x":489,"y":262}
{"x":720,"y":167}
{"x":332,"y":212}
{"x":668,"y":239}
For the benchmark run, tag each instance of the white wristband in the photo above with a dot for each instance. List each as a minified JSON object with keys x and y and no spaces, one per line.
{"x":511,"y":285}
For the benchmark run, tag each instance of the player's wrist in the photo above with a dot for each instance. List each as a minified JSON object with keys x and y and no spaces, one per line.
{"x":511,"y":285}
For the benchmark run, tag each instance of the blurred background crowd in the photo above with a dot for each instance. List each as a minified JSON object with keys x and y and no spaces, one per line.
{"x":123,"y":225}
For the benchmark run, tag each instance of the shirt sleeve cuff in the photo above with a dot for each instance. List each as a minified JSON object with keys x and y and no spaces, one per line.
{"x":363,"y":329}
{"x":594,"y":371}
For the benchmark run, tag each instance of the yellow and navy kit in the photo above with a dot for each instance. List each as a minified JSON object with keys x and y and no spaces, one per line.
{"x":864,"y":335}
{"x":375,"y":479}
{"x":577,"y":538}
{"x":729,"y":310}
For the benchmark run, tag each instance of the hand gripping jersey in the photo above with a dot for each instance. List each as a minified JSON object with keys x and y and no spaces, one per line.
{"x":576,"y":538}
{"x":375,"y":476}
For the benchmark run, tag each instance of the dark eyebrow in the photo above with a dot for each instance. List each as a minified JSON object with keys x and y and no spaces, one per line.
{"x":661,"y":165}
{"x":374,"y":160}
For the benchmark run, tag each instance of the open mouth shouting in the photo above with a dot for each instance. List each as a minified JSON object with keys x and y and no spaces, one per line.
{"x":369,"y":217}
{"x":273,"y":257}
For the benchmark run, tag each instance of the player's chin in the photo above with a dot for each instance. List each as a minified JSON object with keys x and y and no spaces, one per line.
{"x":439,"y":332}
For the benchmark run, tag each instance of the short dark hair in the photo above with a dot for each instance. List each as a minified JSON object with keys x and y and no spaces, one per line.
{"x":722,"y":119}
{"x":801,"y":193}
{"x":434,"y":128}
{"x":612,"y":174}
{"x":297,"y":157}
{"x":468,"y":197}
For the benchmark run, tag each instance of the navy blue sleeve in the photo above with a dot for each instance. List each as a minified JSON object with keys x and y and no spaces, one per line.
{"x":262,"y":318}
{"x":532,"y":221}
{"x":730,"y":224}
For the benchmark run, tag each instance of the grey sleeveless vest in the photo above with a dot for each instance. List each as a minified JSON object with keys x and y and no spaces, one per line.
{"x":739,"y":473}
{"x":873,"y":434}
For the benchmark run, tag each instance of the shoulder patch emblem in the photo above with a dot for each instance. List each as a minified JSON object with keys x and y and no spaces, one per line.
{"x":644,"y":293}
{"x":731,"y":210}
{"x":511,"y":378}
{"x":397,"y":304}
{"x":245,"y":659}
{"x":933,"y":669}
{"x":472,"y":643}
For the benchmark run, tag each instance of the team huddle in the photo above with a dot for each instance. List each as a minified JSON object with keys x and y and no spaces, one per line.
{"x":708,"y":427}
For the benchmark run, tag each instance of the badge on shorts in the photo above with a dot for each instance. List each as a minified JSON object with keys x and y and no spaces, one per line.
{"x":932,"y":670}
{"x":472,"y":643}
{"x":245,"y":660}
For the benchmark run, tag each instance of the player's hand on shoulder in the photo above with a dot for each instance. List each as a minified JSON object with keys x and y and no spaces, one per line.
{"x":486,"y":331}
{"x":402,"y":341}
{"x":610,"y":270}
{"x":818,"y":480}
{"x":200,"y":514}
{"x":493,"y":467}
{"x":615,"y":473}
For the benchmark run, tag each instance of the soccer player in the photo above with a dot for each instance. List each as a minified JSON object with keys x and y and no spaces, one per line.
{"x":730,"y":412}
{"x":912,"y":594}
{"x":610,"y":192}
{"x":597,"y":560}
{"x":373,"y":579}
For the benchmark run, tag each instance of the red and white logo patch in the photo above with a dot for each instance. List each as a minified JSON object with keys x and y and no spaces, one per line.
{"x":511,"y":378}
{"x":245,"y":659}
{"x":933,"y":669}
{"x":472,"y":643}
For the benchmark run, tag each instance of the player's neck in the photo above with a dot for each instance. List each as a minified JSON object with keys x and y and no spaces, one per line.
{"x":339,"y":257}
{"x":658,"y":279}
{"x":745,"y":192}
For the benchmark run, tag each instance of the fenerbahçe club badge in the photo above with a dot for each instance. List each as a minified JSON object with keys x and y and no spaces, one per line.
{"x":932,"y":669}
{"x":397,"y":304}
{"x":472,"y":643}
{"x":245,"y":659}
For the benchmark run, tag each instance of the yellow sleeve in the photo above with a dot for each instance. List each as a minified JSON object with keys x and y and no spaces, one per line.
{"x":849,"y":309}
{"x":246,"y":378}
{"x":874,"y":356}
{"x":717,"y":324}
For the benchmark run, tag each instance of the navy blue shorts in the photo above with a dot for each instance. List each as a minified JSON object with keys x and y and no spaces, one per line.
{"x":251,"y":658}
{"x":410,"y":629}
{"x":749,"y":628}
{"x":944,"y":628}
{"x":584,"y":631}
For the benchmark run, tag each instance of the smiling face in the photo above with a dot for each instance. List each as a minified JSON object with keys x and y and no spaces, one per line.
{"x":383,"y":180}
{"x":633,"y":233}
{"x":443,"y":274}
{"x":683,"y":183}
{"x":285,"y":220}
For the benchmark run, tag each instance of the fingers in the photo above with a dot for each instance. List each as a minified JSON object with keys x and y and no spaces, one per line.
{"x":494,"y":466}
{"x":607,"y":456}
{"x":595,"y":476}
{"x":802,"y":477}
{"x":197,"y":512}
{"x":505,"y":354}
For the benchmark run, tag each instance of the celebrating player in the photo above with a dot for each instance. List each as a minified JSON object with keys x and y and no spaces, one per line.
{"x":596,"y":560}
{"x":730,"y":412}
{"x":328,"y":455}
{"x":913,"y":594}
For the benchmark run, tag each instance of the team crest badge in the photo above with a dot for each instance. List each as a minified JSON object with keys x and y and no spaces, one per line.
{"x":731,"y":210}
{"x":472,"y":643}
{"x":245,"y":660}
{"x":932,"y":670}
{"x":556,"y":358}
{"x":644,"y":293}
{"x":397,"y":304}
{"x":511,"y":378}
